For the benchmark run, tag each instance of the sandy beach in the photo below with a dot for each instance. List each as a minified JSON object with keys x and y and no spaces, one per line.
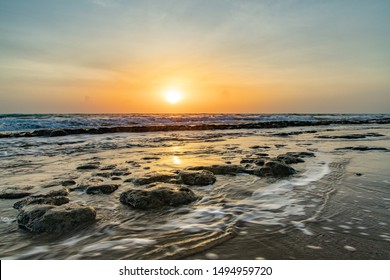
{"x":317,"y":192}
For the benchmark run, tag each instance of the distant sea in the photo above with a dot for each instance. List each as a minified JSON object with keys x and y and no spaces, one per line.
{"x":46,"y":124}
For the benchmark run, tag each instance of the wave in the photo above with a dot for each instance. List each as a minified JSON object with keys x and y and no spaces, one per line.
{"x":19,"y":125}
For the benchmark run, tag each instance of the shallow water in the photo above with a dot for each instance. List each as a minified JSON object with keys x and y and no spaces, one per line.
{"x":226,"y":208}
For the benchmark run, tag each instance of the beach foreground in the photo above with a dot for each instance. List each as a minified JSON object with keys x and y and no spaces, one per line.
{"x":305,"y":192}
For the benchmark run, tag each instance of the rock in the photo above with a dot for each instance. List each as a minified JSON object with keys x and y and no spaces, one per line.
{"x":197,"y":178}
{"x":363,"y":148}
{"x":14,"y":193}
{"x":229,"y":169}
{"x":157,"y":197}
{"x":116,"y":178}
{"x":61,"y":192}
{"x":108,"y":167}
{"x":153,"y":177}
{"x":294,"y":157}
{"x":351,"y":136}
{"x":56,"y":200}
{"x":150,"y":158}
{"x":103,"y":174}
{"x":58,"y":132}
{"x":276,"y":169}
{"x":257,"y":161}
{"x":102,"y":189}
{"x":88,"y":167}
{"x":120,"y":173}
{"x":49,"y":218}
{"x":68,"y":183}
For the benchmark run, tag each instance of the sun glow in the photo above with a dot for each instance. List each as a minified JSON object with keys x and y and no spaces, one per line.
{"x":173,"y":96}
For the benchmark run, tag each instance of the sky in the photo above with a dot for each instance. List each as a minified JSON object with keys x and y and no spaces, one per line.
{"x":219,"y":56}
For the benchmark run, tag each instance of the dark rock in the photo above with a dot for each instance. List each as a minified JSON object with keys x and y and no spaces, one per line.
{"x":150,"y":158}
{"x":108,"y":167}
{"x":359,"y":174}
{"x":61,"y":192}
{"x":116,"y":178}
{"x":363,"y":148}
{"x":120,"y":173}
{"x":351,"y":136}
{"x":275,"y":169}
{"x":56,"y":200}
{"x":68,"y":183}
{"x":49,"y":218}
{"x":230,"y":169}
{"x":14,"y":193}
{"x":153,"y":177}
{"x":102,"y":189}
{"x":259,"y":147}
{"x":197,"y":178}
{"x":58,"y":132}
{"x":294,"y":157}
{"x":88,"y":167}
{"x":103,"y":174}
{"x":157,"y":197}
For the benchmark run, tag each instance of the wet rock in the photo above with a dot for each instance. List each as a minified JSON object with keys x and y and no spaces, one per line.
{"x":153,"y":177}
{"x":157,"y":197}
{"x":87,"y":167}
{"x":58,"y":132}
{"x":103,"y":174}
{"x":120,"y":173}
{"x":230,"y":169}
{"x":256,"y":161}
{"x":351,"y":136}
{"x":362,"y":148}
{"x":102,"y":189}
{"x":294,"y":157}
{"x":259,"y":147}
{"x":14,"y":193}
{"x":275,"y":169}
{"x":108,"y":167}
{"x":197,"y":178}
{"x":49,"y":218}
{"x":56,"y":200}
{"x":150,"y":158}
{"x":68,"y":183}
{"x":116,"y":178}
{"x":60,"y":192}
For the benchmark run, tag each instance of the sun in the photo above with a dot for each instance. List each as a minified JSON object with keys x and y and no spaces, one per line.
{"x":173,"y":96}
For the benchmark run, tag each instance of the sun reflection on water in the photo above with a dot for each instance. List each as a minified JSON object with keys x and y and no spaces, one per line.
{"x":176,"y":160}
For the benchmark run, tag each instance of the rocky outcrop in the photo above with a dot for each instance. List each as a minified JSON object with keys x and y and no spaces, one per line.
{"x":229,"y":169}
{"x":294,"y":157}
{"x":49,"y":218}
{"x":157,"y":197}
{"x":14,"y":193}
{"x":153,"y":177}
{"x":197,"y":178}
{"x":275,"y":169}
{"x":56,"y":200}
{"x":102,"y":189}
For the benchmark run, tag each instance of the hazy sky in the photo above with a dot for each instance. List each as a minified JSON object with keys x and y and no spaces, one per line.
{"x":255,"y":56}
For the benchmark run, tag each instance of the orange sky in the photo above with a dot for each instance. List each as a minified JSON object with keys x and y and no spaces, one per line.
{"x":112,"y":56}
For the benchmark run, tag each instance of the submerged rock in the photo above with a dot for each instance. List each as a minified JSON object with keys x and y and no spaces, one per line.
{"x":230,"y":169}
{"x":197,"y":178}
{"x":87,"y":167}
{"x":362,"y":148}
{"x":153,"y":177}
{"x":14,"y":193}
{"x":351,"y":136}
{"x":157,"y":197}
{"x":68,"y":183}
{"x":102,"y":189}
{"x":49,"y":218}
{"x":56,"y":200}
{"x":294,"y":157}
{"x":60,"y":192}
{"x":275,"y":169}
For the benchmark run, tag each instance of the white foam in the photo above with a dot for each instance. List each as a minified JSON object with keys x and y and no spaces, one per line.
{"x":350,"y":248}
{"x":314,"y":247}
